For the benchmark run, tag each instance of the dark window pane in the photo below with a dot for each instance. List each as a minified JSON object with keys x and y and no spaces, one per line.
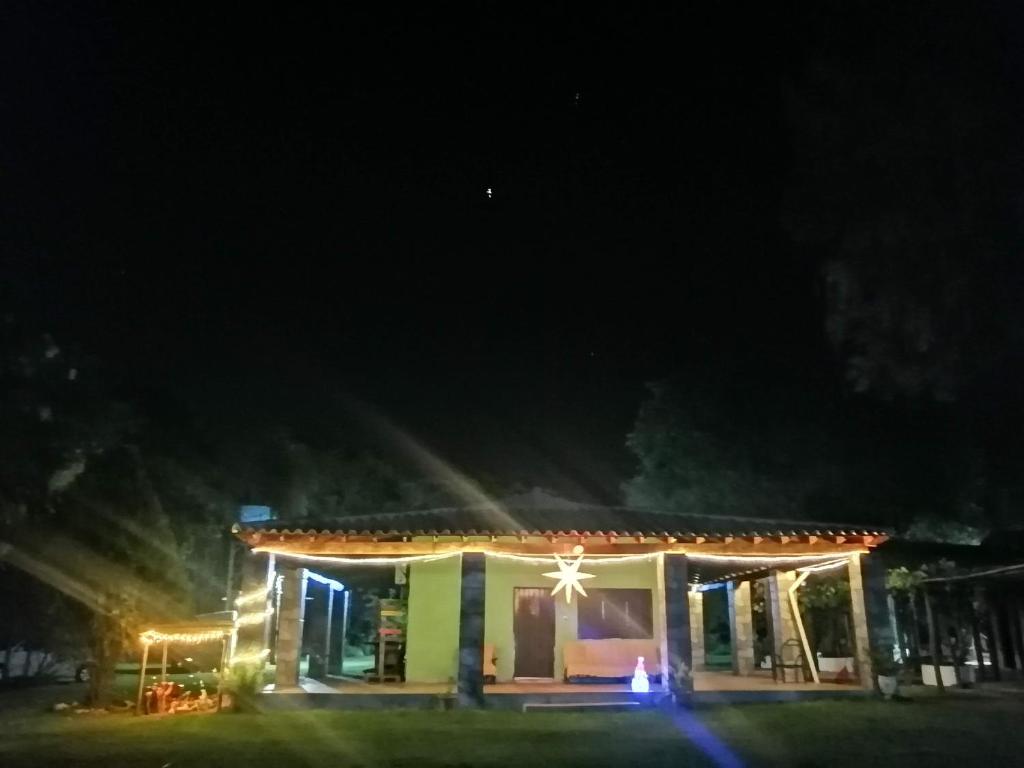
{"x":606,"y":613}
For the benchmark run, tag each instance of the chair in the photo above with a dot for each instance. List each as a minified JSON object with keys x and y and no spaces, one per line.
{"x":790,"y":656}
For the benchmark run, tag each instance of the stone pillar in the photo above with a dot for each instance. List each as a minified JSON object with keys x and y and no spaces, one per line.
{"x":859,"y":614}
{"x":741,"y":625}
{"x":471,"y":629}
{"x":677,"y":617}
{"x":289,"y":627}
{"x":881,"y":625}
{"x":696,"y":600}
{"x":783,"y":624}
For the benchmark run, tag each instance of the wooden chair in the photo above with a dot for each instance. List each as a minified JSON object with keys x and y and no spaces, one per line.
{"x":790,"y":656}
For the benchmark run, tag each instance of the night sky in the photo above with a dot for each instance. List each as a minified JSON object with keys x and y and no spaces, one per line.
{"x":279,"y":213}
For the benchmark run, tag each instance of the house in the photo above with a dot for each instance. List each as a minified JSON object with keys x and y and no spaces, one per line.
{"x":538,"y":596}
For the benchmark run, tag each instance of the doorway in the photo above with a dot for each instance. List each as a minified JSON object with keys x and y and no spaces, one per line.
{"x":533,"y":625}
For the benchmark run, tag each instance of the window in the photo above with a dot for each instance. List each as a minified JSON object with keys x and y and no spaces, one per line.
{"x":608,"y":613}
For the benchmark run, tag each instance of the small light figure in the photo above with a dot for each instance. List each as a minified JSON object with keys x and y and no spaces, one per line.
{"x":640,"y":683}
{"x":490,"y":193}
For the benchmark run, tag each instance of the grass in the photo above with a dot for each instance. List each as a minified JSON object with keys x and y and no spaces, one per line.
{"x":958,"y":730}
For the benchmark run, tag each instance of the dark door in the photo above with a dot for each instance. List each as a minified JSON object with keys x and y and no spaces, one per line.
{"x":534,"y":629}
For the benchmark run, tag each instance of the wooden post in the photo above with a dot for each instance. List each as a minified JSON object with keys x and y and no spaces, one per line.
{"x":933,"y":640}
{"x":223,"y":671}
{"x":163,"y":665}
{"x":142,"y":678}
{"x":794,"y":605}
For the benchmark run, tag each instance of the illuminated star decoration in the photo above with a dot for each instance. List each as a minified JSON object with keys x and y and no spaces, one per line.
{"x":569,"y":577}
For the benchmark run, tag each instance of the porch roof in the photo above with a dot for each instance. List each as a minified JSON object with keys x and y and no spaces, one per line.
{"x":574,"y":520}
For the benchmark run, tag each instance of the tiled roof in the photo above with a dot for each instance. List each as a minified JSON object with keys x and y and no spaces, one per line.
{"x":577,"y":519}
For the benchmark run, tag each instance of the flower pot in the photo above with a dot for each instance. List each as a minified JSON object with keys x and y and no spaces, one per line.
{"x":888,"y":685}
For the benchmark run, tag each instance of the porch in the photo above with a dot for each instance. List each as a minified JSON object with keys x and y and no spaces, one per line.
{"x":709,"y":688}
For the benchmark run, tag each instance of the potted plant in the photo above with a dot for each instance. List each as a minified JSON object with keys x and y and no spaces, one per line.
{"x":887,"y":671}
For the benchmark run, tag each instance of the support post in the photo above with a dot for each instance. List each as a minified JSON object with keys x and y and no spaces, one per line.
{"x":795,"y":607}
{"x":163,"y":665}
{"x":696,"y":606}
{"x":471,"y":630}
{"x":933,"y":640}
{"x":327,"y":631}
{"x":291,"y":620}
{"x":677,"y":619}
{"x":344,"y":631}
{"x":142,"y":678}
{"x":742,"y":628}
{"x":995,"y":645}
{"x":861,"y":626}
{"x":223,"y":672}
{"x":979,"y":653}
{"x":783,"y":624}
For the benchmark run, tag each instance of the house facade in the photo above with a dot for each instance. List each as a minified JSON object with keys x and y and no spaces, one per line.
{"x":540,"y":590}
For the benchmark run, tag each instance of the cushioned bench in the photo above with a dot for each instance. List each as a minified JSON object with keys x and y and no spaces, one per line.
{"x":610,"y":659}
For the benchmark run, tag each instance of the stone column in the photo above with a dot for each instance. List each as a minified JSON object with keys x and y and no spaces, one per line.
{"x":471,"y":629}
{"x":696,"y":600}
{"x":783,"y":624}
{"x":741,"y":625}
{"x":289,"y":627}
{"x":859,"y":614}
{"x":677,"y":617}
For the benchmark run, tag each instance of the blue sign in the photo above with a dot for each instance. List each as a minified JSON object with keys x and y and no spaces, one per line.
{"x":254,"y":513}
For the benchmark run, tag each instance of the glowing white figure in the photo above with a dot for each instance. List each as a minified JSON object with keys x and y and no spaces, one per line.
{"x":640,"y":683}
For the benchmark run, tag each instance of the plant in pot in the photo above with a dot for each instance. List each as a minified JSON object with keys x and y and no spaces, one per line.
{"x":887,"y":672}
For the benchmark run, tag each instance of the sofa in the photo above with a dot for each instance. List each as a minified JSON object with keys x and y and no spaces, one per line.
{"x":609,"y":659}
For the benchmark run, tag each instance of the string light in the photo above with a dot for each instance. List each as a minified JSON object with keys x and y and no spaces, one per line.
{"x":358,"y":560}
{"x":190,"y":638}
{"x":822,"y":557}
{"x":611,"y":559}
{"x":250,"y":658}
{"x":829,"y":556}
{"x":823,"y":567}
{"x":336,"y":586}
{"x":256,"y":617}
{"x":252,"y":597}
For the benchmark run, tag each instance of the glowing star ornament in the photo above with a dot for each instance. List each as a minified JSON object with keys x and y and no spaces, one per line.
{"x":569,"y":576}
{"x":640,"y":683}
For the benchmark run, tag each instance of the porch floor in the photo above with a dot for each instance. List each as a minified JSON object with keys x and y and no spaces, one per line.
{"x":704,"y":681}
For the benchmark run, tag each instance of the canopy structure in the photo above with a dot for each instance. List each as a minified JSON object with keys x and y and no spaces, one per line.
{"x":191,"y":632}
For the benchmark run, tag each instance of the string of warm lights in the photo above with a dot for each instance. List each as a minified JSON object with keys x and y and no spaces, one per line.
{"x":824,"y":556}
{"x":189,"y":638}
{"x":256,"y":617}
{"x":250,"y":658}
{"x":611,"y":559}
{"x":823,"y":566}
{"x":338,"y":560}
{"x":550,"y":559}
{"x":251,"y":597}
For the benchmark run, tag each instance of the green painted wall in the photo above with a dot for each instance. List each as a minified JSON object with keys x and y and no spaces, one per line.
{"x":503,"y":576}
{"x":432,"y":646}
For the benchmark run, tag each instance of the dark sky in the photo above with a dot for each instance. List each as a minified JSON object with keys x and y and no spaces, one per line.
{"x":268,"y":211}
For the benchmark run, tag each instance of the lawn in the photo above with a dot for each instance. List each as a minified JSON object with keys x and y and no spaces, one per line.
{"x":957,"y":731}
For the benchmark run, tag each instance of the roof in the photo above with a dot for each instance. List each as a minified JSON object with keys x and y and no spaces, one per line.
{"x":540,"y":514}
